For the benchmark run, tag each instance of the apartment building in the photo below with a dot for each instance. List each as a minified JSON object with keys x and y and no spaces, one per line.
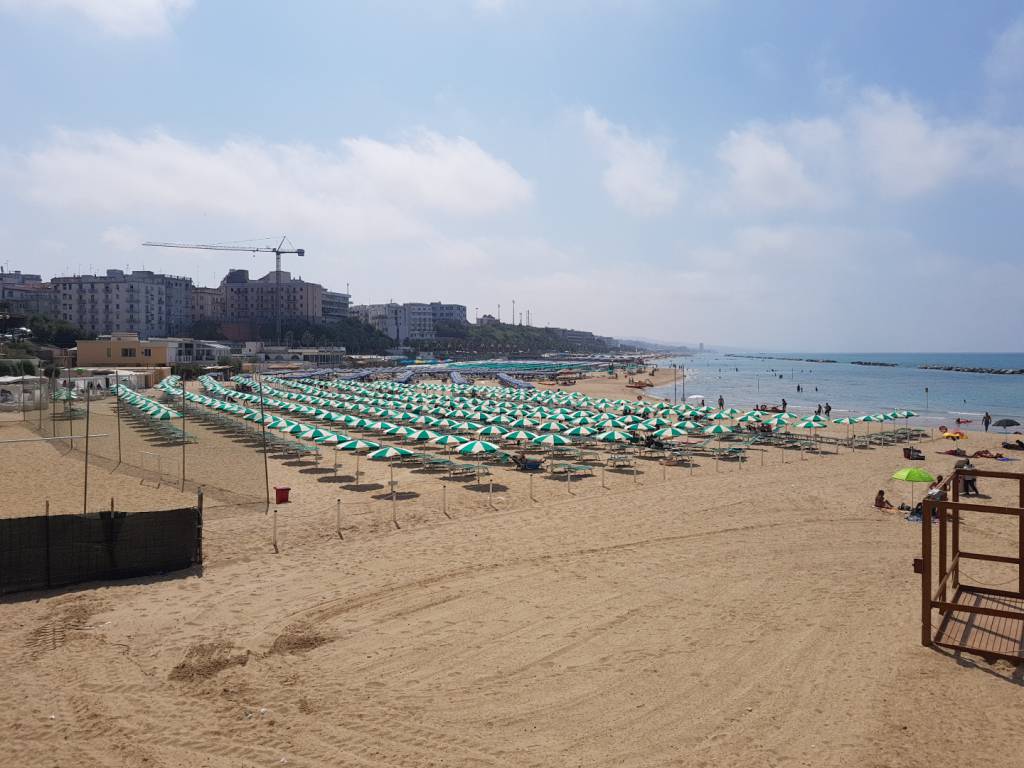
{"x":335,"y":306}
{"x":25,"y":294}
{"x":247,"y":299}
{"x":412,"y":321}
{"x":142,"y":302}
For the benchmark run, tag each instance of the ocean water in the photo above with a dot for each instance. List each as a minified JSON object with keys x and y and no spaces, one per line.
{"x":860,"y":389}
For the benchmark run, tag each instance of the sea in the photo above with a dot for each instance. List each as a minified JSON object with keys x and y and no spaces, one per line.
{"x":939,"y":397}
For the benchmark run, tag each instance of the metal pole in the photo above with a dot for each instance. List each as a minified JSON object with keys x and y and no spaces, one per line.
{"x":683,"y":366}
{"x":263,"y":431}
{"x":337,"y":520}
{"x":117,"y":405}
{"x":85,"y":490}
{"x":675,"y":378}
{"x":53,"y":401}
{"x":276,"y":550}
{"x":183,"y":432}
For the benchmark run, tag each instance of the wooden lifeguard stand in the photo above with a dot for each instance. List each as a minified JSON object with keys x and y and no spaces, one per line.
{"x":981,"y":620}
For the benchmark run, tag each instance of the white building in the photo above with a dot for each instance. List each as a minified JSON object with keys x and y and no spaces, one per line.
{"x":413,"y":321}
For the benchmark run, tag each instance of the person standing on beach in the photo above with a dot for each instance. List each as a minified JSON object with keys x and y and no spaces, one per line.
{"x":721,"y":402}
{"x":987,"y":420}
{"x":828,"y":410}
{"x":783,"y":404}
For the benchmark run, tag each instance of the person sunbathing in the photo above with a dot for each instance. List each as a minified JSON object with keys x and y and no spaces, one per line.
{"x":881,"y":502}
{"x":985,"y":453}
{"x":1016,"y":445}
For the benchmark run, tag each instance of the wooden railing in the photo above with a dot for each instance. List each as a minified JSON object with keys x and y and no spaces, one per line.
{"x":946,"y":505}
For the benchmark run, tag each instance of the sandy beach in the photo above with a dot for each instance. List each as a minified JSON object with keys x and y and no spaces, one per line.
{"x":734,"y":614}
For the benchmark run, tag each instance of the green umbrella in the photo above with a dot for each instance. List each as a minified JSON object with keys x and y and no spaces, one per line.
{"x":331,"y":439}
{"x":477,"y":446}
{"x":551,"y":439}
{"x":580,"y":431}
{"x":669,"y":432}
{"x":550,"y":426}
{"x":913,"y":475}
{"x":523,"y":423}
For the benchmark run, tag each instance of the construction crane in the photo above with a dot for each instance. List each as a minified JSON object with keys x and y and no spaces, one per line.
{"x":278,"y":251}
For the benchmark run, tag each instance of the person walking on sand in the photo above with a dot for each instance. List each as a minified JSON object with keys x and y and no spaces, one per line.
{"x":784,"y":403}
{"x":987,"y":420}
{"x":828,"y":410}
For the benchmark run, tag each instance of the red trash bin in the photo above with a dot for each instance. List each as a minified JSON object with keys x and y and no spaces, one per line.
{"x":281,"y":494}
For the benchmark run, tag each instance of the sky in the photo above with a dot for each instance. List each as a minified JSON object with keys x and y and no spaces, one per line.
{"x":766,"y":175}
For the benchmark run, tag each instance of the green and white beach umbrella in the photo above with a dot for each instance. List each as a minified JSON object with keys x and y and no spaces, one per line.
{"x":520,"y":434}
{"x":550,"y":426}
{"x":580,"y":431}
{"x":750,"y":418}
{"x":811,"y":424}
{"x":717,"y":429}
{"x":332,"y":438}
{"x":689,"y":426}
{"x":358,"y":445}
{"x":423,"y":434}
{"x":523,"y":423}
{"x":669,"y":432}
{"x":388,"y":452}
{"x":495,"y":430}
{"x":551,"y":440}
{"x":477,"y":446}
{"x":449,"y":440}
{"x":614,"y":436}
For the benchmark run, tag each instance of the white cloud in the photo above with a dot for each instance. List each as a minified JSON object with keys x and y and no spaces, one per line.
{"x":763,"y":173}
{"x":120,"y":18}
{"x":1005,"y":62}
{"x":878,"y":145}
{"x":122,"y":238}
{"x":363,"y":191}
{"x":490,"y":6}
{"x":639,"y":176}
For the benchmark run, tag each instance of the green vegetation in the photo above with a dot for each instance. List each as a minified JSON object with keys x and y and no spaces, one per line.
{"x":10,"y":367}
{"x":357,"y":337}
{"x":504,"y":339}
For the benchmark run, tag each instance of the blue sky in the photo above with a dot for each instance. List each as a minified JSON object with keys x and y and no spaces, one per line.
{"x":773,"y":175}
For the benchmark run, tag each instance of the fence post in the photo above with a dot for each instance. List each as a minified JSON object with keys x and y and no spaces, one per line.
{"x":337,"y":519}
{"x":276,"y":550}
{"x":490,"y":493}
{"x":199,"y":522}
{"x":394,"y":509}
{"x":444,"y":500}
{"x":47,"y":543}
